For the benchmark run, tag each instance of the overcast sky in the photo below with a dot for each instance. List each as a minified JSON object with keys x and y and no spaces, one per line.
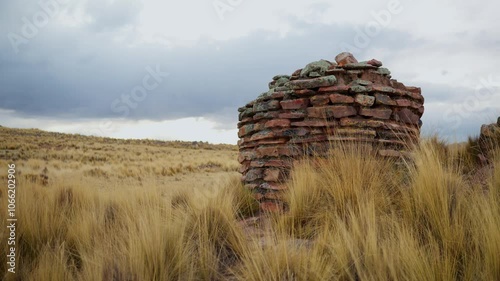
{"x":180,"y":69}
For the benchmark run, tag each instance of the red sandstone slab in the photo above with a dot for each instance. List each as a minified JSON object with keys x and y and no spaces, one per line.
{"x":244,"y":121}
{"x":414,"y":96}
{"x":384,"y":99}
{"x":341,"y":111}
{"x":295,"y":104}
{"x":277,"y":151}
{"x":399,"y":127}
{"x":337,"y":111}
{"x":415,"y":105}
{"x":251,"y":144}
{"x":374,"y":62}
{"x":416,"y":90}
{"x":421,"y":110}
{"x":277,"y":95}
{"x":245,"y":130}
{"x":403,"y":102}
{"x":282,"y":123}
{"x":320,"y":100}
{"x":247,"y":155}
{"x":248,"y":145}
{"x":305,"y":92}
{"x":272,"y":141}
{"x":333,"y":89}
{"x":345,"y":58}
{"x":378,"y":113}
{"x":407,"y":116}
{"x":272,"y":175}
{"x":400,"y":92}
{"x":245,"y":166}
{"x":338,"y":98}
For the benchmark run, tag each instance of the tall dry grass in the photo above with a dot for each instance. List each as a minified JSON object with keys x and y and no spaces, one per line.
{"x":352,"y":217}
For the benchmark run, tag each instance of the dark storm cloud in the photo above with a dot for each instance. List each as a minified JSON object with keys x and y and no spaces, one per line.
{"x":84,"y":72}
{"x":78,"y":73}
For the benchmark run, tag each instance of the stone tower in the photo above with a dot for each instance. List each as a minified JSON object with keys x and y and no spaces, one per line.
{"x":309,"y":111}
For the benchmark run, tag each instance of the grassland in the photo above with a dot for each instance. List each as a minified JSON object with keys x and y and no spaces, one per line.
{"x":102,"y":209}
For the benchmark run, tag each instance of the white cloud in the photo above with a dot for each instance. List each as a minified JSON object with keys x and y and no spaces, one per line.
{"x":185,"y":129}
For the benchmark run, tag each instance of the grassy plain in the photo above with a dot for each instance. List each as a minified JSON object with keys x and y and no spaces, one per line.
{"x":102,"y":209}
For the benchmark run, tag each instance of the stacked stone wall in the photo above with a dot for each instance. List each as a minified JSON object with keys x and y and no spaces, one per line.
{"x":315,"y":108}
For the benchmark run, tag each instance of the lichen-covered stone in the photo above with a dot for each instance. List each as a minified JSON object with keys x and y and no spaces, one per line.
{"x":282,"y":81}
{"x":383,"y":71}
{"x":365,"y":100}
{"x":361,"y":82}
{"x":265,"y":106}
{"x":359,"y":89}
{"x":278,"y":77}
{"x":312,"y":83}
{"x":317,"y":68}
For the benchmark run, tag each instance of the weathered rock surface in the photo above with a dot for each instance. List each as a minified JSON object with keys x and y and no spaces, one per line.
{"x":489,"y":139}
